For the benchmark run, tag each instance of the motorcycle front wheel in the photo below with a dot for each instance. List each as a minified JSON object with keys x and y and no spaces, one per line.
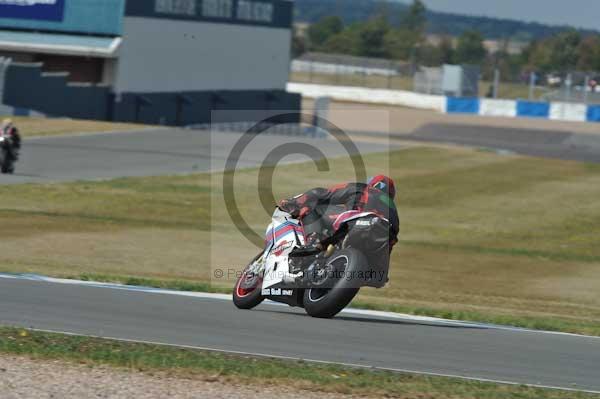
{"x":247,"y":290}
{"x":339,"y":288}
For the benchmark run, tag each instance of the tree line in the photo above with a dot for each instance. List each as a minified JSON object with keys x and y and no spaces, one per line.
{"x":311,"y":11}
{"x":407,"y":41}
{"x":377,"y":37}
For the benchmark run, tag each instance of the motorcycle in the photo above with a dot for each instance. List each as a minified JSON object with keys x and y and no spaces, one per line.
{"x":323,"y":279}
{"x":6,"y":159}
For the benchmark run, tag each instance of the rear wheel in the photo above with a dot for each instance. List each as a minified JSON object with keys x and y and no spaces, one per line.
{"x":332,"y":290}
{"x":3,"y":160}
{"x":247,"y":291}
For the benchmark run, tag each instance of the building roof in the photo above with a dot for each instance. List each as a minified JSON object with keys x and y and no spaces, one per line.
{"x":60,"y":44}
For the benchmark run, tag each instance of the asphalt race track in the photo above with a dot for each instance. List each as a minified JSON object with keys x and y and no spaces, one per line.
{"x":532,"y":142}
{"x":181,"y":151}
{"x":399,"y":343}
{"x":367,"y":339}
{"x":150,"y":153}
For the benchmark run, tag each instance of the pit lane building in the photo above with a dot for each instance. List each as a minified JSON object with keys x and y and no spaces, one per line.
{"x":151,"y":61}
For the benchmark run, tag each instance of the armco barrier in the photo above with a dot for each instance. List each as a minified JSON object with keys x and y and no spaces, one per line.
{"x":593,"y":113}
{"x":532,"y":109}
{"x":462,"y":105}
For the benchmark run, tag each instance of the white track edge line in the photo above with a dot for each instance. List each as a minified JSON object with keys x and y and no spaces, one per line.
{"x":226,"y":297}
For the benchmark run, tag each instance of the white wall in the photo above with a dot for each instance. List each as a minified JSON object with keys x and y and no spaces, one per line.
{"x":169,"y":55}
{"x":568,"y":112}
{"x":376,"y":96}
{"x":496,"y":107}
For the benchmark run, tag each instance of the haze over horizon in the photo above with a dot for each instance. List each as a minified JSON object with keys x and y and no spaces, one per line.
{"x":577,"y":13}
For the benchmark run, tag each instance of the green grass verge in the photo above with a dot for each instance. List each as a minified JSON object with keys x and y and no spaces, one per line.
{"x":175,"y":285}
{"x":260,"y":371}
{"x":44,"y":127}
{"x":532,"y":322}
{"x":501,"y":239}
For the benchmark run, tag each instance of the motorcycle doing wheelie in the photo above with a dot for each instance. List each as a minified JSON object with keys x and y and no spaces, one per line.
{"x":323,"y":279}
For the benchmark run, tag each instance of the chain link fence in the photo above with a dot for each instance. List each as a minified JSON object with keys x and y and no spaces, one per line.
{"x":429,"y":81}
{"x":573,"y":87}
{"x":345,"y":70}
{"x":570,"y":87}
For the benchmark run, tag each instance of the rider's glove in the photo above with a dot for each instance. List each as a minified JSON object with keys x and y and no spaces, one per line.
{"x":289,"y":207}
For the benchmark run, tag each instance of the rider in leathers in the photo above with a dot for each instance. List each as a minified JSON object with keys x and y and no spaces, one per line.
{"x":10,"y":132}
{"x":377,"y":196}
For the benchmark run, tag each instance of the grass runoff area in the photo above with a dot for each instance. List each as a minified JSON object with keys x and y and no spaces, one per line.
{"x":484,"y":237}
{"x":36,"y":127}
{"x":224,"y":368}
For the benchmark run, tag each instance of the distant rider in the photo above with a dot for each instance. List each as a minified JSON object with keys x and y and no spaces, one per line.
{"x":10,"y":131}
{"x":377,"y":195}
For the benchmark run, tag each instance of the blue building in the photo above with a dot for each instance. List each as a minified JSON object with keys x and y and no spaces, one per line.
{"x":151,"y":61}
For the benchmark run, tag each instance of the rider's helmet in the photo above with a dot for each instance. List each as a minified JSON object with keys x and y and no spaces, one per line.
{"x":6,"y":125}
{"x":384,"y":184}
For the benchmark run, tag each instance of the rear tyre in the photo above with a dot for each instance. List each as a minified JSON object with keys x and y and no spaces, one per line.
{"x":327,"y":302}
{"x":247,"y":290}
{"x":3,"y":160}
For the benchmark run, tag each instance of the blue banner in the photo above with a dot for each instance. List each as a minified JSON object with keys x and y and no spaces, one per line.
{"x":44,"y":10}
{"x":593,"y":113}
{"x":533,"y":109}
{"x":462,"y":105}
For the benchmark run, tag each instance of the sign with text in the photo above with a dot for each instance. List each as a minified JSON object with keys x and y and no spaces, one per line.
{"x":275,"y":13}
{"x":252,"y":11}
{"x":43,"y":10}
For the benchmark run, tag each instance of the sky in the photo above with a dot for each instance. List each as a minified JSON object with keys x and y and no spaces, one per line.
{"x":578,"y":13}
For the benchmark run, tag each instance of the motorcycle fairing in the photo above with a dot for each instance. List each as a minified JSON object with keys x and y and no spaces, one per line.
{"x":370,"y":234}
{"x":283,"y":235}
{"x":349,"y":216}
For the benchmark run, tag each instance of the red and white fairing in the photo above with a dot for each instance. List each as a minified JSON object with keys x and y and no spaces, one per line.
{"x":283,"y":235}
{"x":286,"y":233}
